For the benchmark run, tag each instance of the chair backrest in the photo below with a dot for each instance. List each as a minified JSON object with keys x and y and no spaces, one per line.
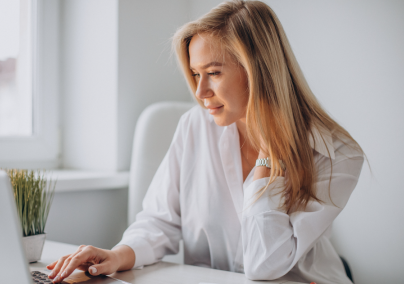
{"x":154,"y":131}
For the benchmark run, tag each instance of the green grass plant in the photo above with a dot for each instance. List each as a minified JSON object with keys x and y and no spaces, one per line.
{"x":33,"y":194}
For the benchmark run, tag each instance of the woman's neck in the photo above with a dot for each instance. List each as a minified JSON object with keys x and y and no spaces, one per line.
{"x":242,"y":130}
{"x":248,"y":153}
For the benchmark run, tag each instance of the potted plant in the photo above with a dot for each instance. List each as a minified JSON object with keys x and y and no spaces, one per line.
{"x":33,"y":194}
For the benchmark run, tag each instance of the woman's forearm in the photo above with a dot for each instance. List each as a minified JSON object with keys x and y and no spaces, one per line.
{"x":126,"y":257}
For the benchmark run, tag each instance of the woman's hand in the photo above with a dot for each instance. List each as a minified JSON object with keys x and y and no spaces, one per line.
{"x":94,"y":260}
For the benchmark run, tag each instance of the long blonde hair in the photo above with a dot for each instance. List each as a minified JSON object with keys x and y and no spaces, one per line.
{"x":281,"y":107}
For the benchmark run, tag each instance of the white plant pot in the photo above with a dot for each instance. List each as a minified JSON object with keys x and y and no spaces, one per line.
{"x":33,"y":246}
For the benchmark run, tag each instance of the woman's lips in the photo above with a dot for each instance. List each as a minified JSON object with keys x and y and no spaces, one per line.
{"x":215,"y":110}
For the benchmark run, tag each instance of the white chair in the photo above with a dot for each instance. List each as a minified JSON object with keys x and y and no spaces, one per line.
{"x":153,"y":134}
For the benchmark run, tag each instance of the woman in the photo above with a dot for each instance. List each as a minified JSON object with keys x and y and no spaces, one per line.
{"x":255,"y":177}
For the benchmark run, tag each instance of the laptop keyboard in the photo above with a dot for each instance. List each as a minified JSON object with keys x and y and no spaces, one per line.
{"x":40,"y":278}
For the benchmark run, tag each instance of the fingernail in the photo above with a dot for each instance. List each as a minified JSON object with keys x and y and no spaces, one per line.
{"x":93,"y":270}
{"x":63,"y":274}
{"x":51,"y":274}
{"x":56,"y":279}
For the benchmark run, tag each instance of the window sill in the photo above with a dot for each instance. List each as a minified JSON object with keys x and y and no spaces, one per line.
{"x":75,"y":180}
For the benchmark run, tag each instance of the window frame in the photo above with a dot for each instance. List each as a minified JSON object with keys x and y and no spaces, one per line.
{"x":41,"y":149}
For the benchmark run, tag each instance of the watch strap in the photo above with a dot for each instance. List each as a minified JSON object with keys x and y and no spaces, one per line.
{"x":266,"y":162}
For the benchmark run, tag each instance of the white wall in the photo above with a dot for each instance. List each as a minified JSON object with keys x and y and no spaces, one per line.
{"x":90,"y":217}
{"x":147,"y":73}
{"x":112,"y":68}
{"x":352,"y":55}
{"x":89,"y":86}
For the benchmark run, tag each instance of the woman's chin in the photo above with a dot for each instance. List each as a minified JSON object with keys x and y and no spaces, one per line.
{"x":220,"y":121}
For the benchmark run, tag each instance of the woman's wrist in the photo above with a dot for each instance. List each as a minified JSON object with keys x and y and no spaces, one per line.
{"x":261,"y":172}
{"x":125,"y":256}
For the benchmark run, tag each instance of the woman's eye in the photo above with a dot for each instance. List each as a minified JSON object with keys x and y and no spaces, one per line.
{"x":210,"y":74}
{"x":213,"y":73}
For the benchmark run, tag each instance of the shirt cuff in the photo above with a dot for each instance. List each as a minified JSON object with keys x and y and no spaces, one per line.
{"x":271,"y":199}
{"x":143,"y":251}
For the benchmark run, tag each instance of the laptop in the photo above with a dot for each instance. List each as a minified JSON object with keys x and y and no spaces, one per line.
{"x":13,"y":263}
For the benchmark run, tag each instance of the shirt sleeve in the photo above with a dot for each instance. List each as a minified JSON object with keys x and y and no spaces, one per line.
{"x":274,"y":241}
{"x":157,"y":229}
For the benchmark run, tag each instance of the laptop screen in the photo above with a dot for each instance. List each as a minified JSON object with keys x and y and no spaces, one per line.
{"x":12,"y":259}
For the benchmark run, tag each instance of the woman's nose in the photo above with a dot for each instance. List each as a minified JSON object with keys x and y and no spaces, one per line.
{"x":203,"y":89}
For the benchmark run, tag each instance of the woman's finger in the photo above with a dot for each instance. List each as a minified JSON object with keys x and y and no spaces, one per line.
{"x":66,"y":263}
{"x":101,"y":268}
{"x":52,"y":265}
{"x":86,"y":255}
{"x":58,"y":265}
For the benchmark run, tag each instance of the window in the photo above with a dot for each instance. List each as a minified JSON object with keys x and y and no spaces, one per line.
{"x":29,"y":84}
{"x":16,"y":34}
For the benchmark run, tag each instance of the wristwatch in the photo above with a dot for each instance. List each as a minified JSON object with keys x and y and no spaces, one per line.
{"x":267,"y":163}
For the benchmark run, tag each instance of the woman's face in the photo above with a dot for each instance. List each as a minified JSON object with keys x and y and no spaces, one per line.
{"x":222,"y":83}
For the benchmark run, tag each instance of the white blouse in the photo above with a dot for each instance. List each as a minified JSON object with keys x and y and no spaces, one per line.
{"x":198,"y":195}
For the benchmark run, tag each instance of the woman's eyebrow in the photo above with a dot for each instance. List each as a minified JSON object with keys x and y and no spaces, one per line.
{"x":213,"y":63}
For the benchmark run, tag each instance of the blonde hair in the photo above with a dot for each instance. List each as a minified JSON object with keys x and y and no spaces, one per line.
{"x":281,"y":107}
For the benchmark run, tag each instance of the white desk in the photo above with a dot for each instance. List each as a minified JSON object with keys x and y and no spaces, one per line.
{"x":159,"y":273}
